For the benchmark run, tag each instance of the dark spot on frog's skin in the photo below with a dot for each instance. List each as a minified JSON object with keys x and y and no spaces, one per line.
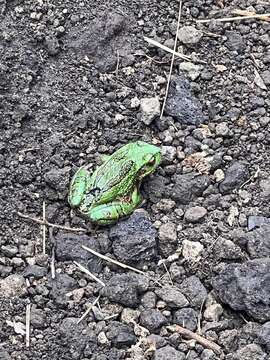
{"x":94,"y":191}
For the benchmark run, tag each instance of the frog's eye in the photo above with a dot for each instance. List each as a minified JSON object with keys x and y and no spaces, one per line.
{"x":152,"y":161}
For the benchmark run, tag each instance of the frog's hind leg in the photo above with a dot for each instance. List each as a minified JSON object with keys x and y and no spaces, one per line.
{"x":78,"y":186}
{"x":109,"y":213}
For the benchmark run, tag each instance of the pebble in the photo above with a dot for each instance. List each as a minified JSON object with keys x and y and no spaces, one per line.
{"x":168,"y":353}
{"x":13,"y":286}
{"x":192,"y":70}
{"x":186,"y":317}
{"x":195,"y":214}
{"x":172,"y":296}
{"x":167,"y":239}
{"x":152,"y":320}
{"x":222,"y":129}
{"x":235,"y":176}
{"x":192,"y":250}
{"x":189,"y":35}
{"x":219,"y":175}
{"x":150,"y":108}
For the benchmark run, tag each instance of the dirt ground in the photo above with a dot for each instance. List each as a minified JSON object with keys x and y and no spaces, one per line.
{"x":78,"y":80}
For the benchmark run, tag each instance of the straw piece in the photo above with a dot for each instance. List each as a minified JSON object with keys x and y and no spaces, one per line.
{"x":165,"y":48}
{"x":86,"y":271}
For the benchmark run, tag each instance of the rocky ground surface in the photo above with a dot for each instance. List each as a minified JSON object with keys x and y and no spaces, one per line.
{"x":77,"y":80}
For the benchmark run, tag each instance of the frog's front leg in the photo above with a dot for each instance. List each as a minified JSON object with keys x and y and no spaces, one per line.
{"x":109,"y":213}
{"x":78,"y":186}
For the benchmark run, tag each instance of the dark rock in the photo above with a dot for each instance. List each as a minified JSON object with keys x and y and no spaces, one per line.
{"x":264,"y":335}
{"x":250,"y":352}
{"x":246,"y":287}
{"x":226,"y":249}
{"x":61,"y":285}
{"x":255,"y":221}
{"x":58,"y":179}
{"x":134,"y":239}
{"x":79,"y":335}
{"x":181,"y":104}
{"x":187,"y":187}
{"x":152,"y":320}
{"x":120,"y":334}
{"x":235,"y":176}
{"x":38,"y":318}
{"x":258,"y":242}
{"x":172,"y":296}
{"x":186,"y":317}
{"x":169,"y":353}
{"x":155,"y":188}
{"x":157,"y":340}
{"x":194,"y":290}
{"x":125,"y":288}
{"x":35,"y":271}
{"x":69,"y":247}
{"x":235,"y":41}
{"x":148,"y":300}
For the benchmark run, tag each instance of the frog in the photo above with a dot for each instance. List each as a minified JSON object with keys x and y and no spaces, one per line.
{"x":111,"y":192}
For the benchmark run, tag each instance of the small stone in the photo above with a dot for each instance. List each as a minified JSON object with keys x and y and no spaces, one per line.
{"x":134,"y":103}
{"x":265,"y":189}
{"x":9,"y":250}
{"x":235,"y":176}
{"x":167,"y":239}
{"x":148,"y":300}
{"x":168,"y":153}
{"x":129,"y":316}
{"x":266,"y":77}
{"x":192,"y":250}
{"x":4,"y":355}
{"x":194,"y":291}
{"x":181,"y":103}
{"x":208,"y":354}
{"x":219,"y":175}
{"x":255,"y":221}
{"x":168,"y":353}
{"x":102,"y":338}
{"x":35,"y":271}
{"x":52,"y":45}
{"x":235,"y":41}
{"x":250,"y":352}
{"x":222,"y":129}
{"x":58,"y":179}
{"x":186,"y":317}
{"x":12,"y":286}
{"x":172,"y":296}
{"x":192,"y":70}
{"x":125,"y":288}
{"x":195,"y":214}
{"x":189,"y":35}
{"x":258,"y":244}
{"x":152,"y":320}
{"x":213,"y":312}
{"x":38,"y":318}
{"x":150,"y":108}
{"x":121,"y":335}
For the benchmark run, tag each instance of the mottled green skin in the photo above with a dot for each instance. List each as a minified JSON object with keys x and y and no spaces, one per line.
{"x":112,"y":191}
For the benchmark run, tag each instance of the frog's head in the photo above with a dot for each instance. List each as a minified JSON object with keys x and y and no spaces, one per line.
{"x":146,"y":156}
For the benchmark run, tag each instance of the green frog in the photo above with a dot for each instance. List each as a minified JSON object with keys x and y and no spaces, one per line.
{"x":112,"y":191}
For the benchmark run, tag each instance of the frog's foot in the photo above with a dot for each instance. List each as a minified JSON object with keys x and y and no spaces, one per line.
{"x":109,"y":213}
{"x":78,"y":187}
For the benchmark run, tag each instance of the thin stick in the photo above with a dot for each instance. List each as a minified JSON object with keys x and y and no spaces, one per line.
{"x":46,"y":222}
{"x":235,"y":18}
{"x":172,"y":62}
{"x":117,"y":64}
{"x":86,"y":271}
{"x":88,"y":310}
{"x":104,"y":257}
{"x":44,"y":228}
{"x":53,"y":263}
{"x":27,"y":324}
{"x":165,"y":48}
{"x":200,"y":339}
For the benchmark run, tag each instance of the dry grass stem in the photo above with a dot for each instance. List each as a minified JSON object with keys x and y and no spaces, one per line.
{"x":165,"y":48}
{"x":88,"y":310}
{"x":47,"y":223}
{"x":172,"y":61}
{"x":27,"y":324}
{"x":44,"y":228}
{"x":86,"y":271}
{"x":104,"y":257}
{"x":200,"y":339}
{"x":265,"y":17}
{"x":53,"y":263}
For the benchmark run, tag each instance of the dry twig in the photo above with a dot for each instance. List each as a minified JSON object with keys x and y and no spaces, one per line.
{"x":88,"y":310}
{"x":53,"y":263}
{"x":86,"y":271}
{"x":165,"y":48}
{"x":47,"y":223}
{"x":44,"y":228}
{"x":200,"y":339}
{"x":27,"y":324}
{"x":265,"y":17}
{"x":172,"y":62}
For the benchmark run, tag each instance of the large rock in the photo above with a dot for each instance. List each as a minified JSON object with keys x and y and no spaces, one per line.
{"x":235,"y":176}
{"x":125,"y":289}
{"x":182,"y":104}
{"x":134,"y":239}
{"x":187,"y":187}
{"x":69,"y":248}
{"x":246,"y":287}
{"x":258,"y":242}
